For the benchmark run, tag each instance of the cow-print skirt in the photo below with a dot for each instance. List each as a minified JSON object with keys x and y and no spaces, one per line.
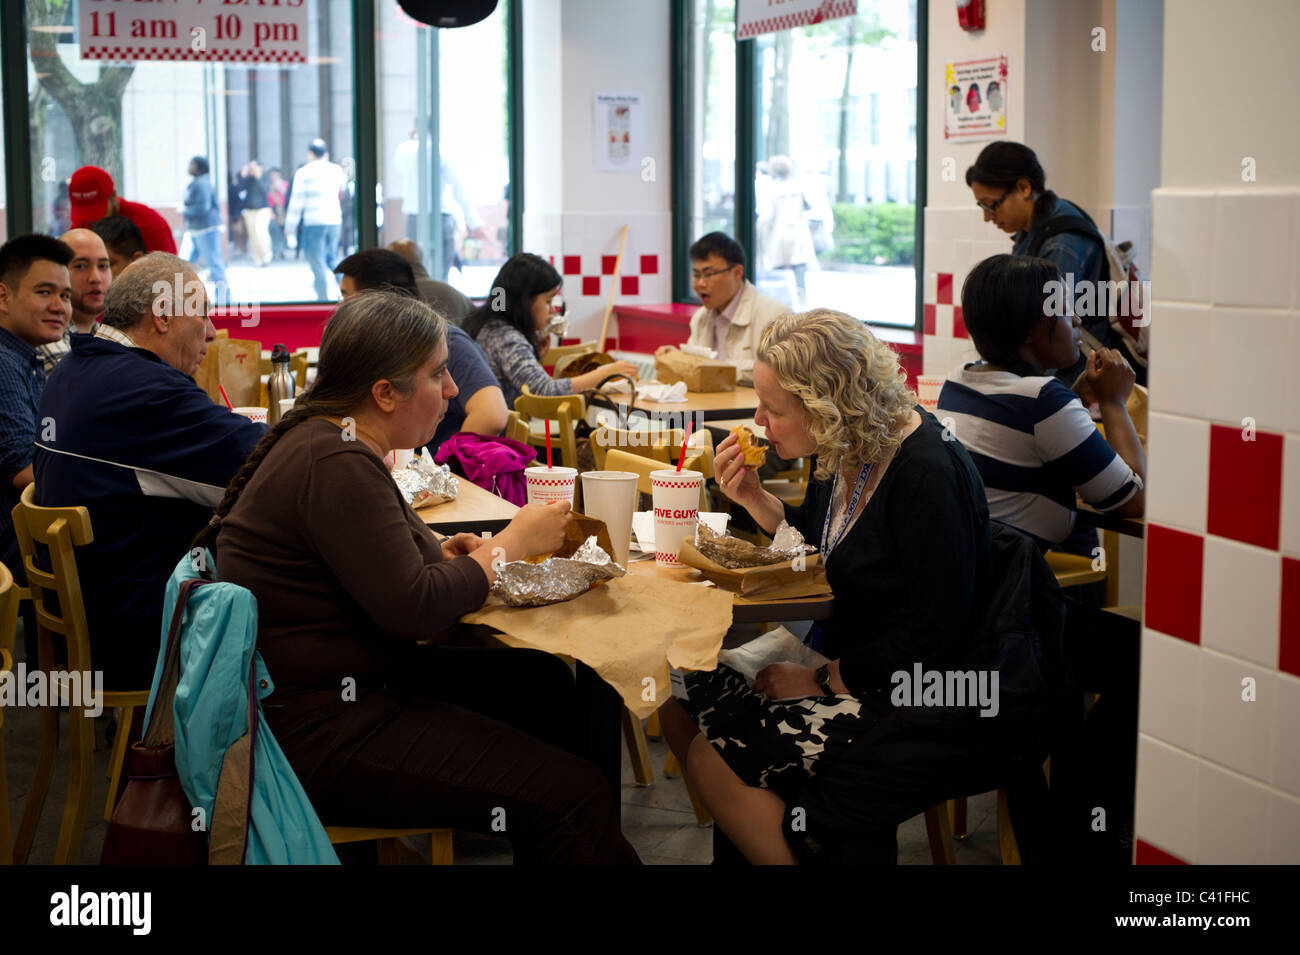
{"x":773,"y":745}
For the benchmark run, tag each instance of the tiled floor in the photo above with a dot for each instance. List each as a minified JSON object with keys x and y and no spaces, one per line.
{"x":657,"y":819}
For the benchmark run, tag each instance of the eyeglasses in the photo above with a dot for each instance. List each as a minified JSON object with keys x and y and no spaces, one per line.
{"x":993,"y":206}
{"x":707,"y":274}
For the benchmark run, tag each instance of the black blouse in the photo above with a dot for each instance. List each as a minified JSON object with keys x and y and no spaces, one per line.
{"x":907,"y":575}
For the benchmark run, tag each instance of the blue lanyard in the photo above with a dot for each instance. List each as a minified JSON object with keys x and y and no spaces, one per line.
{"x":858,"y":487}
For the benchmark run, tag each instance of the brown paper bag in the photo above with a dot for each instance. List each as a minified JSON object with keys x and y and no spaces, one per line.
{"x":628,"y":630}
{"x":700,"y":374}
{"x":773,"y":582}
{"x":236,"y":365}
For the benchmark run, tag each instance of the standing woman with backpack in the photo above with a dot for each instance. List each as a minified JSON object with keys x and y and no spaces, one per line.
{"x":1010,"y":186}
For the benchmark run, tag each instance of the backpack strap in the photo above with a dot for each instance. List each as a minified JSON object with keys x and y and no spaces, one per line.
{"x":1057,"y":225}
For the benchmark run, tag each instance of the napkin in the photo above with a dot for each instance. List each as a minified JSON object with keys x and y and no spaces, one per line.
{"x":699,"y":351}
{"x":663,"y":393}
{"x":643,"y":526}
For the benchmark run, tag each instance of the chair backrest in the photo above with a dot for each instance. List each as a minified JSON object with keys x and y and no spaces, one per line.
{"x":563,"y":409}
{"x":8,"y":620}
{"x":60,"y":530}
{"x":648,"y":444}
{"x":616,"y":460}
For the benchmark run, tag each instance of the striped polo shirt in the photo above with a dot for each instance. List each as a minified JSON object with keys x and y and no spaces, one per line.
{"x":1034,"y":445}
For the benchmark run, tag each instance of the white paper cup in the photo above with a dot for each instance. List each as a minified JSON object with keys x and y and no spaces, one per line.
{"x":286,"y":405}
{"x":676,"y":496}
{"x":252,"y":414}
{"x":550,"y":484}
{"x":398,"y":458}
{"x":610,"y":496}
{"x":927,"y":391}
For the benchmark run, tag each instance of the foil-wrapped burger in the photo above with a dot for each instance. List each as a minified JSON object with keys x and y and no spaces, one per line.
{"x":556,"y":579}
{"x":736,"y":554}
{"x":423,"y":483}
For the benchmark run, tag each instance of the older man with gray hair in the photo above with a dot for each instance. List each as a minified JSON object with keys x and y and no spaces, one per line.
{"x":127,"y":433}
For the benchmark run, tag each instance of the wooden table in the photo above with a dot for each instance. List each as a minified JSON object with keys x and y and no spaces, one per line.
{"x":474,"y":510}
{"x":1132,"y":526}
{"x":703,"y":406}
{"x":745,"y":609}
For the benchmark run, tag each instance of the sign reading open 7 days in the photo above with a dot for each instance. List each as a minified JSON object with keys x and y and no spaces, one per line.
{"x":246,"y":31}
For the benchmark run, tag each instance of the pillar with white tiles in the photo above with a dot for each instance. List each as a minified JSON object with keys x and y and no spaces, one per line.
{"x":1218,"y":763}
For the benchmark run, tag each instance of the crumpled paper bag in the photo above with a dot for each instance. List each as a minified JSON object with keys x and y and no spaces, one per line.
{"x":628,"y":630}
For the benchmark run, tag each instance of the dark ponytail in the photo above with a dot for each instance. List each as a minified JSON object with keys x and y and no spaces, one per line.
{"x":1002,"y":299}
{"x":373,"y":336}
{"x":1001,"y":165}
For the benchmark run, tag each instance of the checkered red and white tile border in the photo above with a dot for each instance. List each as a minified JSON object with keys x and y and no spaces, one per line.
{"x":828,"y":10}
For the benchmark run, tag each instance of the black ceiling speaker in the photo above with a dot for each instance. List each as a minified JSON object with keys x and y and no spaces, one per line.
{"x":448,"y":13}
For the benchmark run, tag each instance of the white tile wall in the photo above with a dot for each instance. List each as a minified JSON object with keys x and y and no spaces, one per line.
{"x":1286,"y":754}
{"x":1180,"y":334}
{"x":1254,"y":248}
{"x":1181,"y":248}
{"x":1232,"y":819}
{"x":1240,"y":600}
{"x":1169,"y":696}
{"x":1293,"y":378}
{"x":1168,"y":791}
{"x":1178,"y":470}
{"x":1231,"y":731}
{"x":1250,"y":368}
{"x":1291,"y":497}
{"x":1284,"y":830}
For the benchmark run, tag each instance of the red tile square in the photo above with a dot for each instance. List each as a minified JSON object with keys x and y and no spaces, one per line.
{"x":1289,"y":655}
{"x":631,"y":284}
{"x":573,"y":265}
{"x":1173,"y":591}
{"x":944,"y":288}
{"x":591,"y":285}
{"x":1147,"y":854}
{"x":927,"y":312}
{"x":1245,"y":486}
{"x":649,"y":265}
{"x":607,"y":264}
{"x":958,"y":323}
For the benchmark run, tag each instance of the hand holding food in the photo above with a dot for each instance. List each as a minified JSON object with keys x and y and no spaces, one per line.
{"x":754,"y":454}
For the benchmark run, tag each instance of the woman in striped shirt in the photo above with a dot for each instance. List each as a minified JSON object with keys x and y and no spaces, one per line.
{"x":1031,"y":438}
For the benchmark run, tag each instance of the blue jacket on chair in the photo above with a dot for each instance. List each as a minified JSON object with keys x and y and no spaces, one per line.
{"x":218,"y":647}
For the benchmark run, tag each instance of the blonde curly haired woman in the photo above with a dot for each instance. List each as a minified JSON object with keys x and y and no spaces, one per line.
{"x":813,"y":765}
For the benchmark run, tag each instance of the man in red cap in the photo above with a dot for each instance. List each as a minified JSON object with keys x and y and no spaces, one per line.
{"x":92,"y":196}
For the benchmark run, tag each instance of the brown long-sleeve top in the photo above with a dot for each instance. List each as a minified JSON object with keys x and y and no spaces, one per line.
{"x":345,"y":574}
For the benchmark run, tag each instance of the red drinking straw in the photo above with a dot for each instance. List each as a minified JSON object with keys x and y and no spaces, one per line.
{"x":548,"y":443}
{"x":682,"y":460}
{"x":227,"y":398}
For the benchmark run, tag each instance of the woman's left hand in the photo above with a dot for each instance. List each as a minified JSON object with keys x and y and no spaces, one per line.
{"x":780,"y":681}
{"x":460,"y":545}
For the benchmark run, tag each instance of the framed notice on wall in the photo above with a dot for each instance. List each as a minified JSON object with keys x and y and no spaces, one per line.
{"x":756,"y":17}
{"x":620,"y":125}
{"x":975,"y":99}
{"x":193,"y":30}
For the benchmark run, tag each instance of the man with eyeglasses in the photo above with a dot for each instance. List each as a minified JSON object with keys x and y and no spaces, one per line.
{"x":734,"y":313}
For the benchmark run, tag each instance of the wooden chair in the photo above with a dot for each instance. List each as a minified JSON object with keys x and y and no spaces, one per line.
{"x":1073,"y":570}
{"x":791,"y":486}
{"x":61,"y":529}
{"x":648,"y":444}
{"x":557,"y":356}
{"x":8,"y":617}
{"x":516,"y":430}
{"x":943,"y":828}
{"x":564,"y":411}
{"x":440,"y":842}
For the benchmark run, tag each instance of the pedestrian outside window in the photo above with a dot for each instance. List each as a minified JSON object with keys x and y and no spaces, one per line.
{"x":459,"y":217}
{"x":145,"y":122}
{"x":835,"y":181}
